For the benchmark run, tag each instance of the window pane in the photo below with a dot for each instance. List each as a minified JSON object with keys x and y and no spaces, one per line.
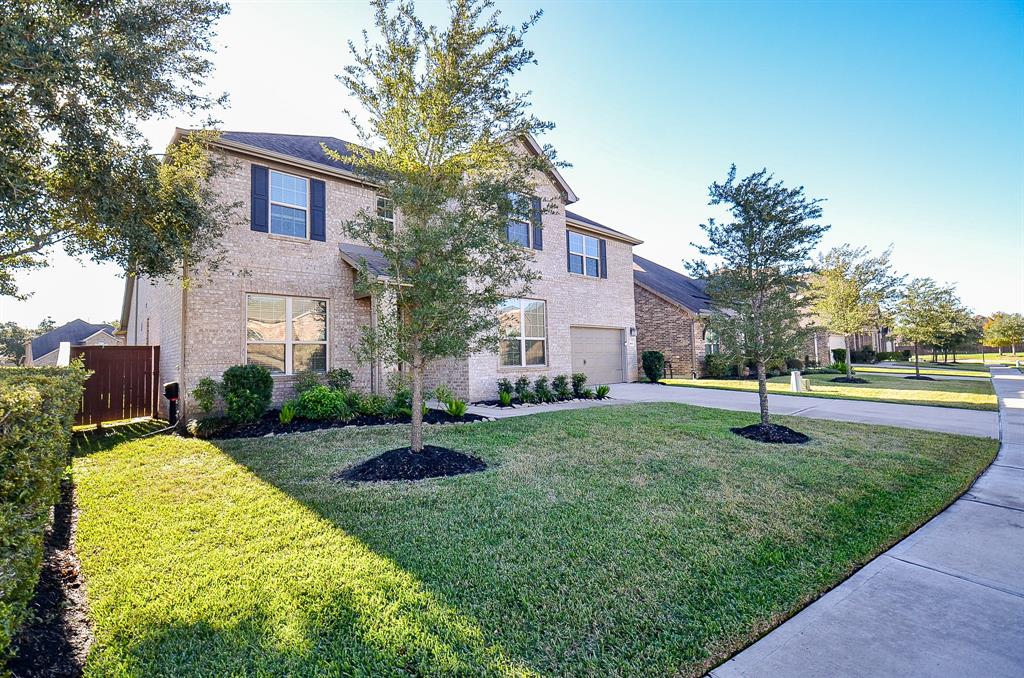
{"x":287,"y":189}
{"x":385,"y":208}
{"x":510,"y":353}
{"x":575,"y":263}
{"x":309,"y":357}
{"x":519,"y":233}
{"x":593,"y":248}
{"x":575,"y":242}
{"x":534,"y":351}
{"x":265,"y":318}
{"x":533,"y":312}
{"x":508,"y":318}
{"x":309,"y":320}
{"x":287,"y":221}
{"x":270,"y":356}
{"x":592,"y":267}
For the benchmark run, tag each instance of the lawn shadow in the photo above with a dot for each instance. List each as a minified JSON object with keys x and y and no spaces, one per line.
{"x":86,"y":441}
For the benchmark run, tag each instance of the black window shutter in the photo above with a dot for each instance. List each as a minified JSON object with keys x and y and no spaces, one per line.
{"x":259,"y":199}
{"x":317,"y":210}
{"x":604,"y":258}
{"x":568,"y":255}
{"x":535,"y":219}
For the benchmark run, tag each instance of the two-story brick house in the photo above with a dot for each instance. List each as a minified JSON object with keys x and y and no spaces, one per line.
{"x":285,"y":296}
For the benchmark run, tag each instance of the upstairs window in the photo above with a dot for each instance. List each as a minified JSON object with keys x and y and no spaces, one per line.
{"x":386,"y":209}
{"x":522,"y":324}
{"x":519,"y":220}
{"x":584,"y":254}
{"x":286,"y":334}
{"x":289,"y":204}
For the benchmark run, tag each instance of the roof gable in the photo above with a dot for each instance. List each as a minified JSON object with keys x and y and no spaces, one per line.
{"x":74,"y":332}
{"x":678,"y":288}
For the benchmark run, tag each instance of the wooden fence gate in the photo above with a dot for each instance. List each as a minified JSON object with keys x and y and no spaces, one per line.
{"x":124,"y":384}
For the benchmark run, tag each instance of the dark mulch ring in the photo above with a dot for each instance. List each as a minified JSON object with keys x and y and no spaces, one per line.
{"x":772,"y":433}
{"x":849,"y":380}
{"x":271,"y":424}
{"x":921,"y":378}
{"x":404,"y":464}
{"x":55,"y":641}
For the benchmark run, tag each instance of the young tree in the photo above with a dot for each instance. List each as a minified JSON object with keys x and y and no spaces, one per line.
{"x":759,"y":269}
{"x":447,"y":127}
{"x":919,"y":315}
{"x":75,"y":80}
{"x":852,"y":291}
{"x":1013,"y":330}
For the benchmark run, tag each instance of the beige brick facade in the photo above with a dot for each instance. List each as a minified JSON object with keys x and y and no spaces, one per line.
{"x":214,"y":309}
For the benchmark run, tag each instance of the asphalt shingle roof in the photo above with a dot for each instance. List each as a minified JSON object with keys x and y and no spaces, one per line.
{"x":682,"y":289}
{"x":301,"y":146}
{"x":593,"y":224}
{"x":375,"y":261}
{"x":74,"y":332}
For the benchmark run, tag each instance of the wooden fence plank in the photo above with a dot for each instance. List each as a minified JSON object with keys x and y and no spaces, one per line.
{"x":124,"y":383}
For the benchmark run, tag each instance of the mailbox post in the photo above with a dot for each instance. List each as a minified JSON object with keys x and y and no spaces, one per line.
{"x":171,"y":393}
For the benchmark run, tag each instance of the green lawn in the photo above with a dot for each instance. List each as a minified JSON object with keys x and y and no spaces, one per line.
{"x":622,"y":540}
{"x":964,"y":371}
{"x":968,"y":394}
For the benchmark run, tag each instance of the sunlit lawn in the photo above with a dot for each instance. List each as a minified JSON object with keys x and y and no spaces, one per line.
{"x":625,"y":540}
{"x":970,"y":394}
{"x":926,"y":369}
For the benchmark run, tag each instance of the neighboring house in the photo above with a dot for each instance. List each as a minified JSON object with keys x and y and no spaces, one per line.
{"x":669,"y":308}
{"x":43,"y":349}
{"x":285,"y":296}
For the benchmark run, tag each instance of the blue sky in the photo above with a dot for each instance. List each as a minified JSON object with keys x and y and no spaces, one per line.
{"x":908,"y":118}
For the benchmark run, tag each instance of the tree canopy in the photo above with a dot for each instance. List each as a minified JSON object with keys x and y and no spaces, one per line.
{"x":441,"y":127}
{"x":76,"y":78}
{"x":758,"y":268}
{"x":1004,"y":329}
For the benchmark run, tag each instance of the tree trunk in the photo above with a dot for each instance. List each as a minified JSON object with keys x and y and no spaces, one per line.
{"x":849,"y":357}
{"x":917,"y":360}
{"x":416,"y":438}
{"x":762,"y":391}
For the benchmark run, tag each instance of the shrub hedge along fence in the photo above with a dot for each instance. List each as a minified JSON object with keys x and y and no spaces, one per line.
{"x":37,"y":411}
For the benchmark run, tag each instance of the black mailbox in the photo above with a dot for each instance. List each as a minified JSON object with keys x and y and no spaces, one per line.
{"x":171,"y":393}
{"x":171,"y":390}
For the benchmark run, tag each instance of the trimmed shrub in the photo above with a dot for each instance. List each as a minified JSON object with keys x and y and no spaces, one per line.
{"x":522,"y":390}
{"x":340,"y":379}
{"x":37,"y":411}
{"x":560,"y":386}
{"x":247,"y":391}
{"x":774,"y":368}
{"x":321,"y":403}
{"x":653,"y":363}
{"x":866,"y":355}
{"x":602,"y":391}
{"x":505,"y":398}
{"x":542,"y":392}
{"x":717,"y":366}
{"x":579,"y":381}
{"x":207,"y":427}
{"x":206,"y":393}
{"x":373,"y":405}
{"x":839,"y":355}
{"x":307,"y":379}
{"x":504,"y":386}
{"x":444,"y":394}
{"x":794,"y":364}
{"x":587,"y":393}
{"x":838,"y":366}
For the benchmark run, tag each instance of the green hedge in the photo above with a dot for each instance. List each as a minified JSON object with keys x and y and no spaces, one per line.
{"x":37,"y":411}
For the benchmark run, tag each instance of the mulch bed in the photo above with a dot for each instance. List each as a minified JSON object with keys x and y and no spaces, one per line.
{"x":921,"y":378}
{"x":518,"y":403}
{"x":404,"y":464}
{"x":772,"y":433}
{"x":849,"y":380}
{"x":270,"y":424}
{"x":56,"y":640}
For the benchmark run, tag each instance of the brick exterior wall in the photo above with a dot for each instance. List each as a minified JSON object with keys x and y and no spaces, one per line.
{"x":269,"y":264}
{"x":664,"y":326}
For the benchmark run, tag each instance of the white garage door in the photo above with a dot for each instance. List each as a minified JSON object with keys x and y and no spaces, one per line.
{"x":597,"y":353}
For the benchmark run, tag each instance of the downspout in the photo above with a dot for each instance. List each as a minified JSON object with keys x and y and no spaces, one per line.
{"x":375,"y":363}
{"x":693,"y":347}
{"x":182,"y":390}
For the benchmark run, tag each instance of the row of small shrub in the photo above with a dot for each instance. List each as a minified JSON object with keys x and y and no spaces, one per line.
{"x":37,"y":411}
{"x":562,"y":387}
{"x":718,"y":366}
{"x":893,"y":355}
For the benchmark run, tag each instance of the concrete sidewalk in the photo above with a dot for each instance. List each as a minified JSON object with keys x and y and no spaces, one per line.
{"x":942,"y":419}
{"x":946,"y":601}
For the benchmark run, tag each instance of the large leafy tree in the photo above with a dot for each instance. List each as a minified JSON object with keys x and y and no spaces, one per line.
{"x":920,"y":315}
{"x":76,"y":78}
{"x":1004,"y":329}
{"x":853,"y":290}
{"x":444,"y":127}
{"x":757,"y":276}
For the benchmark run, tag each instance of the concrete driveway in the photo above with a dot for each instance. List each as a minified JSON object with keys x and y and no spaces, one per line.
{"x":943,"y":419}
{"x":946,"y":601}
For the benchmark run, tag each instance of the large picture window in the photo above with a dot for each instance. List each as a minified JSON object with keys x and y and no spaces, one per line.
{"x":523,"y":324}
{"x":289,"y":204}
{"x":584,"y":255}
{"x":286,"y":335}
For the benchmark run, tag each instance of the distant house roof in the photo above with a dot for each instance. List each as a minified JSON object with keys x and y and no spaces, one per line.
{"x":674,"y":286}
{"x":300,"y":146}
{"x":73,"y":332}
{"x":600,"y":228}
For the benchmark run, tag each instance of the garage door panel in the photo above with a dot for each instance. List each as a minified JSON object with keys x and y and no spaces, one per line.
{"x":597,"y":352}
